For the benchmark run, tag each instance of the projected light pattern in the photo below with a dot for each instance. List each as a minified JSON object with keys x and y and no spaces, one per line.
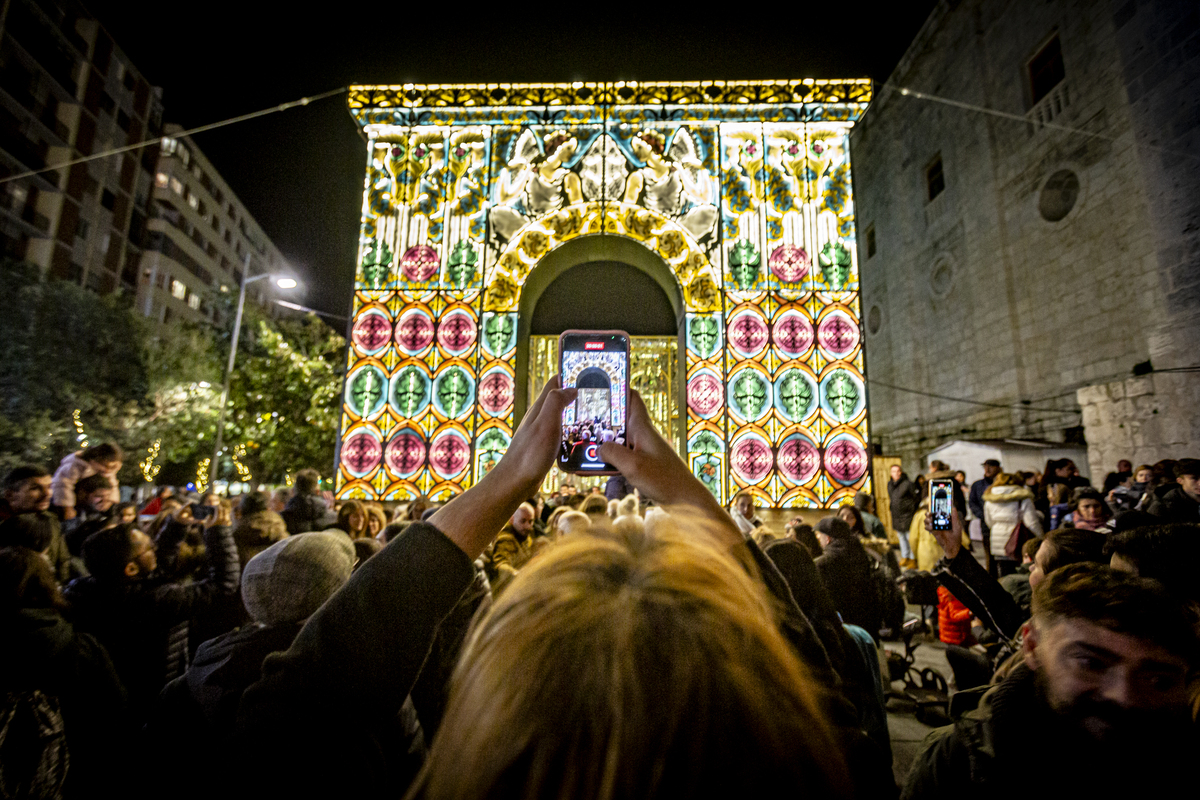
{"x":742,"y":189}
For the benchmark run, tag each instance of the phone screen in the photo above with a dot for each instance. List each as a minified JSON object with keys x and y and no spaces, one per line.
{"x":941,"y":503}
{"x":597,"y":364}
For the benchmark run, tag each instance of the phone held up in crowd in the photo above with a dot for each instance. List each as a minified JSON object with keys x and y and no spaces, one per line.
{"x":597,"y":364}
{"x":941,"y":503}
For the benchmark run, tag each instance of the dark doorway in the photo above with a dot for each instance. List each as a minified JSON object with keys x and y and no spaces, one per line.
{"x":604,"y":295}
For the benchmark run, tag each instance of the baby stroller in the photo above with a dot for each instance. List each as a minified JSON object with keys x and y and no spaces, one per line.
{"x":925,"y":689}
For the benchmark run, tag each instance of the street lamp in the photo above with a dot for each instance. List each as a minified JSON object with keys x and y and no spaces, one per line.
{"x":283,"y":282}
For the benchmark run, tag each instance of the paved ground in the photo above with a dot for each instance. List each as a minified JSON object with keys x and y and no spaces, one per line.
{"x":907,"y":732}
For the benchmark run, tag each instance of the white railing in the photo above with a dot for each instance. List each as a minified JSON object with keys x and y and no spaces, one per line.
{"x":1049,"y":107}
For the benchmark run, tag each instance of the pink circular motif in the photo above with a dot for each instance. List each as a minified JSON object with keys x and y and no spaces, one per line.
{"x":448,"y":454}
{"x":748,"y":333}
{"x":799,"y":460}
{"x":496,"y":392}
{"x":846,"y":460}
{"x":704,"y":394}
{"x":371,"y":332}
{"x":838,"y":333}
{"x":793,"y":333}
{"x":361,"y":453}
{"x":419,"y":263}
{"x":456,"y":332}
{"x":789,"y":263}
{"x":414,"y":331}
{"x":751,"y":459}
{"x":405,"y":454}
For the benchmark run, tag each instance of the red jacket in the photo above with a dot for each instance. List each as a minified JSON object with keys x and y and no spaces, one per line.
{"x":954,"y":619}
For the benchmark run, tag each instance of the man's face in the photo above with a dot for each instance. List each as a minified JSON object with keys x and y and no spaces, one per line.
{"x":1108,"y":684}
{"x":1089,"y":510}
{"x":896,"y":472}
{"x":1191,"y":485}
{"x":31,"y":495}
{"x":522,"y":521}
{"x":100,"y":500}
{"x":990,"y":471}
{"x":144,"y":557}
{"x":1124,"y":466}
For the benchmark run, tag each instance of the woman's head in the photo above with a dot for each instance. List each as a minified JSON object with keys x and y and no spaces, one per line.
{"x":629,"y":665}
{"x":376,"y":519}
{"x":852,"y":517}
{"x":417,"y":508}
{"x":1008,"y":479}
{"x":1143,"y":474}
{"x":352,"y":518}
{"x":107,"y":457}
{"x":26,"y":581}
{"x":1065,"y":546}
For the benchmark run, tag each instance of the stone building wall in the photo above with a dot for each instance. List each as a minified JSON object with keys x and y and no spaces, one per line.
{"x":976,"y":294}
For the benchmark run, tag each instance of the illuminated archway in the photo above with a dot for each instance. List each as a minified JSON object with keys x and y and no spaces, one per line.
{"x":476,"y":195}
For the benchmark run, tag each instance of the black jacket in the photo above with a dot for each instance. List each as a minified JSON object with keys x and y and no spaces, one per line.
{"x":144,"y":624}
{"x":43,"y":651}
{"x":845,"y":570}
{"x":904,"y":497}
{"x":1013,"y":745}
{"x":1175,"y":506}
{"x":306,"y":512}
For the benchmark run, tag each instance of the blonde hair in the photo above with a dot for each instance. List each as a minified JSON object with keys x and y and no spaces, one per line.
{"x":632,"y":664}
{"x":627,"y":506}
{"x":573,"y":521}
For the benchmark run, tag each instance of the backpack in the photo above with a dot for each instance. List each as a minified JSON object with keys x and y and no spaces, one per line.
{"x":33,"y":746}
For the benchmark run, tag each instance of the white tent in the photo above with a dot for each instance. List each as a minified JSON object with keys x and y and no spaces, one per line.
{"x":1014,"y":455}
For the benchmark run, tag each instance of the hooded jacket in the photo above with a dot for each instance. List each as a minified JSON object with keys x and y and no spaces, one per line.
{"x":1004,"y":507}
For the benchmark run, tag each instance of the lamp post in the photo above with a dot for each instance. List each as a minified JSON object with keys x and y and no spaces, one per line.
{"x":283,"y":282}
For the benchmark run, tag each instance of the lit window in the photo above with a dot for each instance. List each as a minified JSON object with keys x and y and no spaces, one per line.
{"x":105,"y":240}
{"x":169,"y":146}
{"x":178,"y":290}
{"x":176,"y":186}
{"x":193,"y":201}
{"x":162,"y":180}
{"x":184,"y":155}
{"x":193,"y":301}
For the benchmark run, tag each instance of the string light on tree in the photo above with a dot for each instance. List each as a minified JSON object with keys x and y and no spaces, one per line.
{"x":202,"y":474}
{"x":243,"y":471}
{"x":148,"y":467}
{"x":80,"y":436}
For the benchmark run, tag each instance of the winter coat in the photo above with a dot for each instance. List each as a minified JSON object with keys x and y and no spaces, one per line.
{"x":45,"y":652}
{"x":1004,"y":507}
{"x":57,"y":554}
{"x":975,"y":496}
{"x":256,"y":533}
{"x":1175,"y":506}
{"x":307,"y":512}
{"x":845,"y":570}
{"x":340,"y":686}
{"x":904,"y":498}
{"x":954,"y":619}
{"x":925,"y":547}
{"x":71,"y":471}
{"x":144,"y":624}
{"x":985,"y":754}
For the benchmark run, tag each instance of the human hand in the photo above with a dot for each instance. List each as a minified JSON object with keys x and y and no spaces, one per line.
{"x":655,"y":469}
{"x":472,"y":520}
{"x":951,"y":540}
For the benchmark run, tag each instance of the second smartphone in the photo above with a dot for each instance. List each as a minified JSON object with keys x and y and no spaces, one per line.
{"x":597,"y":364}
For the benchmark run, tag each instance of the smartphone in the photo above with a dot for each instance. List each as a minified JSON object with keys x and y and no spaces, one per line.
{"x":203,"y":512}
{"x":941,"y":503}
{"x":597,"y":364}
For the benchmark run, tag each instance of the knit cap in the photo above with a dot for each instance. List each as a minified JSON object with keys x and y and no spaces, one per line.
{"x":834,"y":528}
{"x":290,"y":580}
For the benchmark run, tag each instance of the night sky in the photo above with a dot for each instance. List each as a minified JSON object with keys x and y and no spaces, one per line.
{"x":300,"y":172}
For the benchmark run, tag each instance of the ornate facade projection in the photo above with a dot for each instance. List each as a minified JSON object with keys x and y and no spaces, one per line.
{"x":741,"y":189}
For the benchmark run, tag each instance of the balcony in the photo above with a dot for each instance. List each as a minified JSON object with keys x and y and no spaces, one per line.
{"x":1049,"y":108}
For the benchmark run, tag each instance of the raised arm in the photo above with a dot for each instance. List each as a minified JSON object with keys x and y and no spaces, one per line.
{"x":959,"y":572}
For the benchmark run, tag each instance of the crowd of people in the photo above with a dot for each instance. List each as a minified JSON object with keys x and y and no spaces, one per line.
{"x":640,"y":641}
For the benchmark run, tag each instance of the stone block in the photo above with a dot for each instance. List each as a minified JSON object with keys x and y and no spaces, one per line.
{"x":1091,"y":395}
{"x":1139,"y":386}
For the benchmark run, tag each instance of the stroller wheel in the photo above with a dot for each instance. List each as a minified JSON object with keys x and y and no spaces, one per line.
{"x":932,"y":679}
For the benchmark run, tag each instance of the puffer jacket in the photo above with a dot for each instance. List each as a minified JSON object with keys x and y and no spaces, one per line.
{"x":144,"y":624}
{"x":1003,"y":508}
{"x":954,"y":619}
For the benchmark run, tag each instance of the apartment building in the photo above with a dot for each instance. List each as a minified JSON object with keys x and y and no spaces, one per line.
{"x":200,"y":240}
{"x":66,"y":91}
